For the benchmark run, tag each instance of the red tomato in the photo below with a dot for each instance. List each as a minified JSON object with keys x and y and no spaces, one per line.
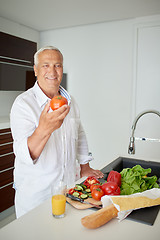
{"x":94,"y":186}
{"x":57,"y":102}
{"x":97,"y":194}
{"x":111,"y":188}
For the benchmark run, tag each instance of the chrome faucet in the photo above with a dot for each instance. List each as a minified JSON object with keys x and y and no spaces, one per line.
{"x":131,"y":148}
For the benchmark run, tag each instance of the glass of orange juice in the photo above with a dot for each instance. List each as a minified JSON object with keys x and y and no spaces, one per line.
{"x":58,"y":200}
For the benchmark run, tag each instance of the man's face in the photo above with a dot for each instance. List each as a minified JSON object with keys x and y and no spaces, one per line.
{"x":49,"y":71}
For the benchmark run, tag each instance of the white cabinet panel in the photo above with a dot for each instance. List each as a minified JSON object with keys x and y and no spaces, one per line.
{"x":147,"y":88}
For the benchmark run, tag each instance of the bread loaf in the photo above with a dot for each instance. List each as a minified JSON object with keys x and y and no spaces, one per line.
{"x":99,"y":217}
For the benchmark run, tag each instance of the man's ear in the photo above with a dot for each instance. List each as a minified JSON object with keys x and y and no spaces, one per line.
{"x":35,"y":70}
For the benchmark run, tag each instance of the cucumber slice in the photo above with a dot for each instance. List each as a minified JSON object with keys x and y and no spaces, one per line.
{"x":84,"y":192}
{"x":76,"y":194}
{"x":78,"y":187}
{"x":88,"y":190}
{"x":84,"y":196}
{"x":83,"y":186}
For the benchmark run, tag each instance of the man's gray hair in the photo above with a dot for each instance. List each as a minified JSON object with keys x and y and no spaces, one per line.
{"x":43,"y":49}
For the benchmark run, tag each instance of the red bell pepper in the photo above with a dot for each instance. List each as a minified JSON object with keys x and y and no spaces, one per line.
{"x":71,"y":191}
{"x":90,"y":180}
{"x":114,"y":176}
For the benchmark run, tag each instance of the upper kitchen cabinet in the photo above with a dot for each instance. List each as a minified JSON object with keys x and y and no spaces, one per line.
{"x":15,"y":49}
{"x":16,"y":63}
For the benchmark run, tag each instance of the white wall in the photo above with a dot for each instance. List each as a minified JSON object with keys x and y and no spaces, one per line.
{"x":21,"y":31}
{"x":99,"y":60}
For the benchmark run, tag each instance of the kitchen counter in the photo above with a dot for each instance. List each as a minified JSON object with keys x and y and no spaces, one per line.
{"x":39,"y":224}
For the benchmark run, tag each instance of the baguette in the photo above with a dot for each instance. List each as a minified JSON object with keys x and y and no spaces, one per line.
{"x":99,"y":217}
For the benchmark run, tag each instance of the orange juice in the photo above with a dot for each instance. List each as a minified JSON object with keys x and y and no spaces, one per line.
{"x":58,"y":204}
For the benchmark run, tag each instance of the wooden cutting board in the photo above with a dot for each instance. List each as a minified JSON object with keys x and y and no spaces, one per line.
{"x":81,"y":206}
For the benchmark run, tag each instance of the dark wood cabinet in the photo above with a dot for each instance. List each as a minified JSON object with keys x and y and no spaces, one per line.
{"x":16,"y":63}
{"x":12,"y":48}
{"x":6,"y":169}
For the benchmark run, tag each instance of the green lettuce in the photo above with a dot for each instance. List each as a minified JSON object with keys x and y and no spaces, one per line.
{"x":134,"y":180}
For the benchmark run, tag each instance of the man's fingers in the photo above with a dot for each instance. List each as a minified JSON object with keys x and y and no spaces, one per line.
{"x":47,"y":107}
{"x":62,"y":112}
{"x":97,"y":173}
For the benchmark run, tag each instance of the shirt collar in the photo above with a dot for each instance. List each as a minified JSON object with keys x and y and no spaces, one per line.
{"x":42,"y":99}
{"x":65,"y":94}
{"x":40,"y":96}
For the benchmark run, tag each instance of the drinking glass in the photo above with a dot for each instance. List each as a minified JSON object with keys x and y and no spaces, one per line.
{"x":58,"y":199}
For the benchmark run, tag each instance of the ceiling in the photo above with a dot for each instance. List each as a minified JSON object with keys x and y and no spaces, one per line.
{"x":53,"y":14}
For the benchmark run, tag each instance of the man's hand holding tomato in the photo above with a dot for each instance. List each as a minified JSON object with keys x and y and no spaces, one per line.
{"x":48,"y":122}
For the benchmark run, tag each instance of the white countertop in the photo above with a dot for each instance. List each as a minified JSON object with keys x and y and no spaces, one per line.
{"x":39,"y":224}
{"x":4,"y":122}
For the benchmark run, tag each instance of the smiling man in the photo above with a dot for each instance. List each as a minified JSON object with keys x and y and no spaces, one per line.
{"x":47,"y":144}
{"x":49,"y":71}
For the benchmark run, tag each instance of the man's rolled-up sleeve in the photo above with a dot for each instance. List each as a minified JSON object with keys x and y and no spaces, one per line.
{"x":22,"y":152}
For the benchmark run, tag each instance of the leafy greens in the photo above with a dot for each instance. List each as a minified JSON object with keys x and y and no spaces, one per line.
{"x":134,"y":180}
